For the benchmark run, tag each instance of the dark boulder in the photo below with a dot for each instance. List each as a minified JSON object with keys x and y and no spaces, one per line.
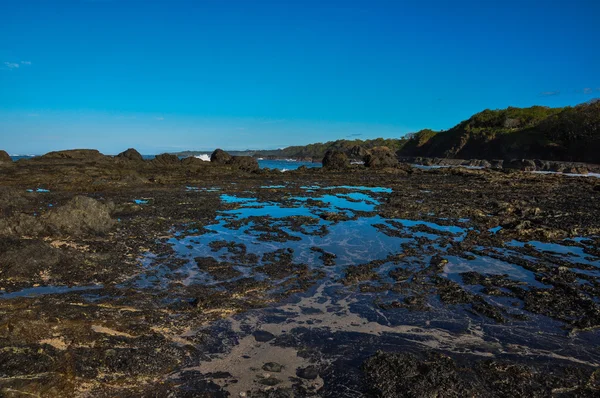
{"x":166,"y":159}
{"x":5,"y":157}
{"x":262,"y":336}
{"x":308,"y":373}
{"x":193,"y":161}
{"x":219,"y":156}
{"x":576,"y":170}
{"x":335,"y":160}
{"x":75,"y":154}
{"x":80,"y":215}
{"x":131,"y":154}
{"x":358,"y":152}
{"x":478,"y":163}
{"x":427,"y":162}
{"x":272,"y":367}
{"x":245,"y":163}
{"x":557,"y":167}
{"x":542,"y":165}
{"x":520,"y":164}
{"x":380,"y":157}
{"x":496,"y":164}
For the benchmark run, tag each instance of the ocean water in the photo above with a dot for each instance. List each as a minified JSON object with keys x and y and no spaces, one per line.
{"x":19,"y":157}
{"x":283,"y":165}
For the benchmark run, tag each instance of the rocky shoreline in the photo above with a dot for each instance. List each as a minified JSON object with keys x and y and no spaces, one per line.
{"x":126,"y":277}
{"x":513,"y":164}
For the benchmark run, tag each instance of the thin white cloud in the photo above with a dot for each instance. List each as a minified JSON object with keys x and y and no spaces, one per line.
{"x":549,"y":93}
{"x":33,"y":114}
{"x":11,"y":65}
{"x":159,"y":118}
{"x":587,"y":90}
{"x":26,"y":62}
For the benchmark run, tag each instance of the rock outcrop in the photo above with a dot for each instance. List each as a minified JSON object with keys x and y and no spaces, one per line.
{"x":5,"y":157}
{"x":166,"y":159}
{"x":193,"y":161}
{"x":245,"y":163}
{"x":81,"y":215}
{"x":219,"y":156}
{"x":335,"y":160}
{"x":520,"y":164}
{"x":569,"y":134}
{"x":381,"y":157}
{"x":131,"y":154}
{"x":75,"y":154}
{"x":358,"y":152}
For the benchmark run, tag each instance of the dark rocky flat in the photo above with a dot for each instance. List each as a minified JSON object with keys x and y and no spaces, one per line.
{"x":125,"y":277}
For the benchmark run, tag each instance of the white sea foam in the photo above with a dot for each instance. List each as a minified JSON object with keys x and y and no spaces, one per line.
{"x":204,"y":157}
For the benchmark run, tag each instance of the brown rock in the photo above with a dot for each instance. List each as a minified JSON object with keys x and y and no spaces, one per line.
{"x":381,"y":157}
{"x":335,"y":160}
{"x":219,"y":156}
{"x":131,"y":154}
{"x":245,"y":163}
{"x":5,"y":157}
{"x":166,"y":159}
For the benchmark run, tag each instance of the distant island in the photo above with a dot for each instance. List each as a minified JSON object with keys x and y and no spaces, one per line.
{"x":562,"y":134}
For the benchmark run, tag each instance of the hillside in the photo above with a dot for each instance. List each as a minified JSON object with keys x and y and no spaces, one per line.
{"x":354,"y":148}
{"x":315,"y":152}
{"x":566,"y":134}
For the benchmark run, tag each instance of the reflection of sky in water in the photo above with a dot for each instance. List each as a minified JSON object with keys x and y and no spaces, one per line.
{"x":445,"y":228}
{"x":40,"y":290}
{"x":353,"y":241}
{"x":488,"y":266}
{"x":573,"y":253}
{"x":360,"y":188}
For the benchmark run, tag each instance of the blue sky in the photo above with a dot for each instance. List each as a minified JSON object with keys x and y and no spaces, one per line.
{"x":172,"y":75}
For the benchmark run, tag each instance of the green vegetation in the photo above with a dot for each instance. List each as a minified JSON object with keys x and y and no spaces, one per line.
{"x":417,"y":140}
{"x":568,"y":134}
{"x":353,"y":148}
{"x":538,"y":132}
